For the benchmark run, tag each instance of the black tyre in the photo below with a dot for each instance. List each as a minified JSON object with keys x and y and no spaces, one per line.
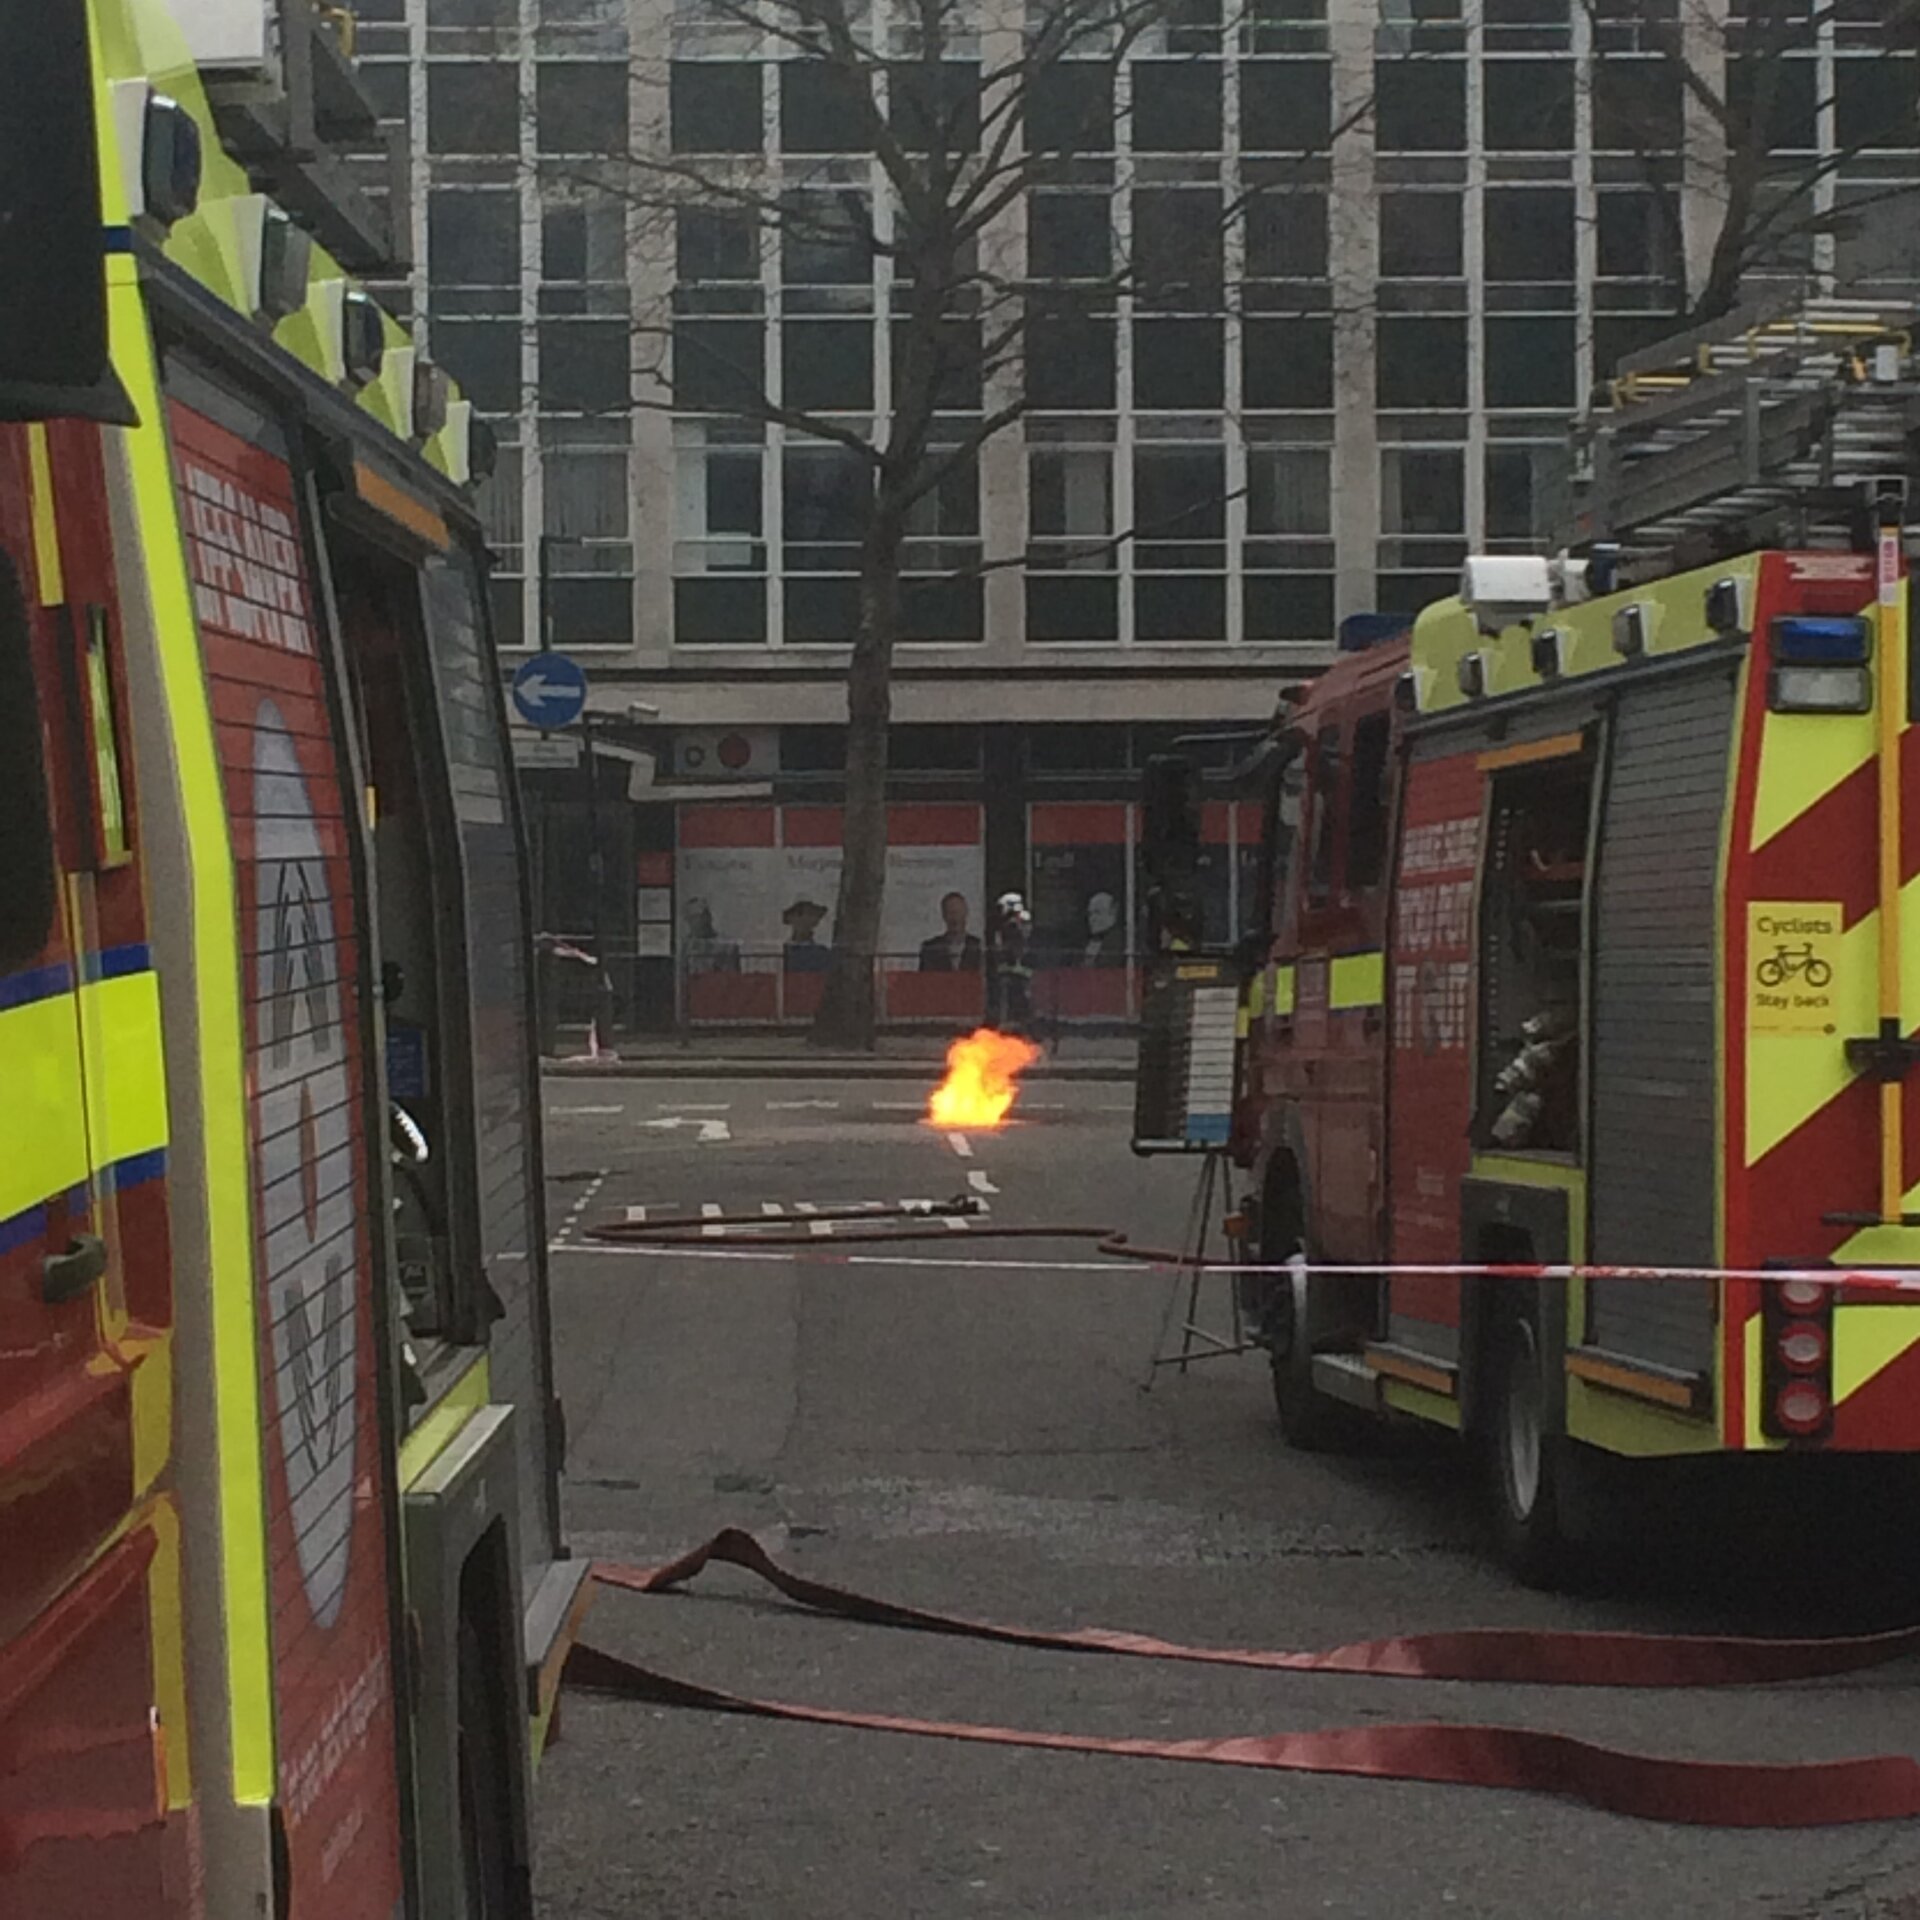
{"x":1533,"y":1469}
{"x":1296,"y":1310}
{"x":486,"y":1803}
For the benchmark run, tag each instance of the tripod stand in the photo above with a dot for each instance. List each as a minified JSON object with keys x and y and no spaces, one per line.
{"x":1198,"y":1342}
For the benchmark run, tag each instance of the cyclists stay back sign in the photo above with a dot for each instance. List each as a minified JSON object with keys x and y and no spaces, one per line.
{"x":1793,"y":958}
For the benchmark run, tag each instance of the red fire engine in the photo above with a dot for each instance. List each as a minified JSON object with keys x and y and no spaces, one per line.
{"x":1590,"y":940}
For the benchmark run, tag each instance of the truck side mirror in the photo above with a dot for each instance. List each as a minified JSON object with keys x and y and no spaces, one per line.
{"x":53,"y":281}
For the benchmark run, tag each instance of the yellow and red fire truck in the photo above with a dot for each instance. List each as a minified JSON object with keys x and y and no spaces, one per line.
{"x":1593,"y":940}
{"x":283,"y":1599}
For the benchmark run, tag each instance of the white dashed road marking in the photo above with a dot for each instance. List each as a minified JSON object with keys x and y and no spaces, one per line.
{"x":800,"y":1106}
{"x":980,"y":1181}
{"x":961,"y":1145}
{"x":712,"y":1209}
{"x":568,"y":1113}
{"x":580,"y":1205}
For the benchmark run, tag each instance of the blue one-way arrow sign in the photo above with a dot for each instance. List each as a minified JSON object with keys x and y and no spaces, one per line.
{"x":549,"y":691}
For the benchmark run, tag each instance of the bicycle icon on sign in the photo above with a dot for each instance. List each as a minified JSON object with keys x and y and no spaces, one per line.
{"x":1793,"y":963}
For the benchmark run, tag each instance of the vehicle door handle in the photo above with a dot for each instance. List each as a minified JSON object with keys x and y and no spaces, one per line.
{"x":66,"y":1276}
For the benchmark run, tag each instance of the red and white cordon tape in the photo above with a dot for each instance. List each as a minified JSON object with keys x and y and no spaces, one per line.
{"x":759,"y":1236}
{"x":1647,"y":1786}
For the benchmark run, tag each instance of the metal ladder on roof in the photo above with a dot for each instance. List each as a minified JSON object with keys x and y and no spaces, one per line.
{"x":1773,"y":425}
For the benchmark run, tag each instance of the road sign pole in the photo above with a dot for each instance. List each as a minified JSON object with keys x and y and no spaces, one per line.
{"x":546,"y":593}
{"x":596,"y":858}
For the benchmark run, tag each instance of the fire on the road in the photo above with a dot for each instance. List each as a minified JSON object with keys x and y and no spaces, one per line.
{"x":983,"y":1071}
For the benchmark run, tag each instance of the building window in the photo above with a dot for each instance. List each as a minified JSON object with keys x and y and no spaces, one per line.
{"x":1287,"y":365}
{"x":1180,"y":606}
{"x":826,"y":366}
{"x":1070,"y":507}
{"x":484,"y":357}
{"x":583,"y":240}
{"x":1179,"y":507}
{"x":584,"y":366}
{"x":473,"y":238}
{"x":1530,"y":361}
{"x":827,"y":496}
{"x":1176,"y":106}
{"x":1529,"y":234}
{"x":1420,"y":106}
{"x":1285,"y":106}
{"x":1423,"y":362}
{"x":1637,"y":237}
{"x":1069,"y":107}
{"x":1420,"y":236}
{"x":1070,"y":236}
{"x":716,"y":244}
{"x":1423,"y":491}
{"x":1178,"y":248}
{"x":589,"y":556}
{"x":482,"y":14}
{"x":1289,"y":492}
{"x":1523,"y":483}
{"x":720,"y":611}
{"x":1070,"y":362}
{"x":715,"y":106}
{"x":1875,"y":102}
{"x":826,"y":239}
{"x":934,"y":105}
{"x":823,"y":109}
{"x":1638,"y":106}
{"x":1178,"y":365}
{"x":1288,"y":606}
{"x":501,"y":502}
{"x":582,"y":107}
{"x":718,"y":497}
{"x":719,"y":556}
{"x":1286,"y":236}
{"x":1782,"y":93}
{"x":1528,"y":106}
{"x":717,"y":365}
{"x":472,"y":107}
{"x":1071,"y":554}
{"x":583,"y":26}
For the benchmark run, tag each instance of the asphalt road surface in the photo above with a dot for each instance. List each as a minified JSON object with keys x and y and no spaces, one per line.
{"x":977,"y":1440}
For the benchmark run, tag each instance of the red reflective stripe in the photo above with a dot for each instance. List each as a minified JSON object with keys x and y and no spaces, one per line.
{"x":1512,"y":1656}
{"x":1647,"y":1786}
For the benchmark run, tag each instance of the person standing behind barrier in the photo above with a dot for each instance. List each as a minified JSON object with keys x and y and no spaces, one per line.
{"x":1010,"y":999}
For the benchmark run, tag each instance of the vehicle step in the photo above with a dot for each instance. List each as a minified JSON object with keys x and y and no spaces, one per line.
{"x":1347,"y":1377}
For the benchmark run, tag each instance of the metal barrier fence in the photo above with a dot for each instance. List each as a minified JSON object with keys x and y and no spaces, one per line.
{"x":780,"y":987}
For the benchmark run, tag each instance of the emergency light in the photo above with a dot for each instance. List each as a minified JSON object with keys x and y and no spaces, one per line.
{"x":1809,"y":640}
{"x":1820,"y":665}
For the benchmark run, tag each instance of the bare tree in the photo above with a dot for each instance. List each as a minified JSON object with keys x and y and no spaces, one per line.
{"x":1737,"y":140}
{"x":962,"y":117}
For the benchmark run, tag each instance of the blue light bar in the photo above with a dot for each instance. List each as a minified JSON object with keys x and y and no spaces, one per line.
{"x":1809,"y":640}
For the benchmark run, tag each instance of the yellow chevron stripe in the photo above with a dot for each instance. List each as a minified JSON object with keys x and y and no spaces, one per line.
{"x":1866,"y":1341}
{"x":1803,"y":758}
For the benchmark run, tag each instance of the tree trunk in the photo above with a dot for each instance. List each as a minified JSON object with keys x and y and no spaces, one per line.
{"x":847,"y":1012}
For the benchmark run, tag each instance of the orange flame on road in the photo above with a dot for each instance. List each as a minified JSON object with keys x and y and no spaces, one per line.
{"x":982,"y":1071}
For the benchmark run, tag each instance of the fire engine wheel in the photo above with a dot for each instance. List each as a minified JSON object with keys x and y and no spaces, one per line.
{"x":1309,"y":1420}
{"x":1532,"y":1467}
{"x":485,"y":1804}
